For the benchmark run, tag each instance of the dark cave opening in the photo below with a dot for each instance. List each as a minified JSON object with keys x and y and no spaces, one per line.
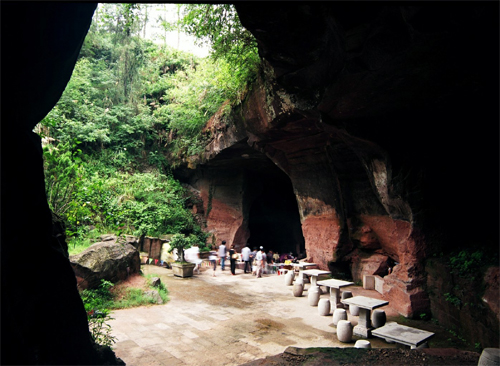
{"x":274,"y":220}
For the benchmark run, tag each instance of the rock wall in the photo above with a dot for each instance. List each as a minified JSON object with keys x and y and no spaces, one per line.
{"x":352,"y":104}
{"x":43,"y":317}
{"x":469,"y":307}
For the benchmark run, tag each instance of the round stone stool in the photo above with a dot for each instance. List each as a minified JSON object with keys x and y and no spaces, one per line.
{"x":313,"y":295}
{"x":324,"y":307}
{"x":298,"y":288}
{"x":289,"y":277}
{"x":299,"y":279}
{"x":362,"y":344}
{"x":338,"y":315}
{"x":344,"y":331}
{"x":354,"y":310}
{"x":489,"y":356}
{"x":378,"y":318}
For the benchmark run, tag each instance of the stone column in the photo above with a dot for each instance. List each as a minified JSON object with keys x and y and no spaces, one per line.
{"x":364,"y":323}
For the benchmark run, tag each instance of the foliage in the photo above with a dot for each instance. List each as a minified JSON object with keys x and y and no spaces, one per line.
{"x":179,"y":242}
{"x":469,"y":263}
{"x":97,"y":304}
{"x":454,"y":300}
{"x":62,"y":175}
{"x":219,"y":26}
{"x":133,"y":106}
{"x":465,"y":262}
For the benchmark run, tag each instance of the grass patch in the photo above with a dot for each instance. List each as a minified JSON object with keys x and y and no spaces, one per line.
{"x":99,"y":303}
{"x":133,"y":297}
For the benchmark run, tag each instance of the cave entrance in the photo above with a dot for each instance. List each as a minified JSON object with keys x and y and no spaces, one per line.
{"x":274,"y":220}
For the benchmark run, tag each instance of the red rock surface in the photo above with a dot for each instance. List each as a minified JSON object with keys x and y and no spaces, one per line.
{"x":492,"y":290}
{"x":321,"y":233}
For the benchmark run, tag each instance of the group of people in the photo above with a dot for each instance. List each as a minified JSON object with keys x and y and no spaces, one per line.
{"x":255,"y":260}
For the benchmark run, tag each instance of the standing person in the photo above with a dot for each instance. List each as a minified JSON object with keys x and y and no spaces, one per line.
{"x":245,"y":256}
{"x":276,"y":257}
{"x":233,"y":257}
{"x":222,"y":254}
{"x":269,"y":257}
{"x":259,"y":262}
{"x":252,"y":261}
{"x":264,"y":260}
{"x":212,"y":257}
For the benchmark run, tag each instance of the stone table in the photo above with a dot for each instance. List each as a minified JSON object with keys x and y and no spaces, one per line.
{"x":314,"y":273}
{"x":394,"y":332}
{"x":301,"y":266}
{"x":366,"y":305}
{"x":334,"y":286}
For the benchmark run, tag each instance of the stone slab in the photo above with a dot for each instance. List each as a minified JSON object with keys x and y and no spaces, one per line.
{"x":365,"y":302}
{"x":368,"y":282}
{"x":379,"y":284}
{"x":335,"y":283}
{"x":402,"y":334}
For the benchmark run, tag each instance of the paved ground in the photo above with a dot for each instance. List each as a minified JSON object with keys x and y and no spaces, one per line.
{"x":224,"y":320}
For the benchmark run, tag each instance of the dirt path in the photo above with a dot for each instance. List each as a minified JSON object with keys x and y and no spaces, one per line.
{"x":224,"y":320}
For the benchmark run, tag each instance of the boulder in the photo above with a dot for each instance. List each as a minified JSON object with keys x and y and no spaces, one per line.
{"x":155,"y":281}
{"x":108,"y":237}
{"x":104,"y":260}
{"x":363,"y":263}
{"x":154,"y":295}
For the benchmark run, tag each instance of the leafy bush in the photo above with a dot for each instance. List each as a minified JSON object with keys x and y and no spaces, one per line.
{"x":97,"y":303}
{"x":132,"y":106}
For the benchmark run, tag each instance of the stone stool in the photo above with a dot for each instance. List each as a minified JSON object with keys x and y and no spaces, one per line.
{"x":313,"y":295}
{"x":344,"y":331}
{"x":298,"y":288}
{"x":299,"y":279}
{"x":378,"y":318}
{"x":289,"y":277}
{"x":324,"y":307}
{"x":339,"y":314}
{"x":345,"y":295}
{"x":489,"y":356}
{"x":361,"y":343}
{"x":354,"y":310}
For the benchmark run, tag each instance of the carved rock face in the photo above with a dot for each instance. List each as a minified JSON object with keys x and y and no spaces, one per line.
{"x":353,"y":106}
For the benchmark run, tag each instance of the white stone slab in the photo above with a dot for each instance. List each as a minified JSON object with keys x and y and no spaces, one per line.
{"x":335,"y":283}
{"x":302,"y":265}
{"x":379,"y":284}
{"x":315,"y":272}
{"x":368,"y":282}
{"x":365,"y":302}
{"x":402,"y":334}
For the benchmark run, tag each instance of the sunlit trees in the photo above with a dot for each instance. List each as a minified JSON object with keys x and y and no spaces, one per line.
{"x":132,"y":105}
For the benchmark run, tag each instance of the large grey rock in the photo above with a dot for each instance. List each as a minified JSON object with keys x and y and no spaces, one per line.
{"x":154,"y":295}
{"x":108,"y":237}
{"x":104,"y":260}
{"x":155,"y":282}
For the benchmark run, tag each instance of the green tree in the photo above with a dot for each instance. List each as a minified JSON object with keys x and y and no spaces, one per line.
{"x":218,"y":25}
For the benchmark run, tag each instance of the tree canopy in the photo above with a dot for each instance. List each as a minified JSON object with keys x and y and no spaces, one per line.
{"x":131,"y":110}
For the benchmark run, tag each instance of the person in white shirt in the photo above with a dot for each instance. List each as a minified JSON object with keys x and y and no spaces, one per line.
{"x":222,"y":254}
{"x":245,"y":256}
{"x":213,"y":260}
{"x":259,"y":262}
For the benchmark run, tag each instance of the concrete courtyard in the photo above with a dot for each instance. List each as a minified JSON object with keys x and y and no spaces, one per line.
{"x":224,"y":320}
